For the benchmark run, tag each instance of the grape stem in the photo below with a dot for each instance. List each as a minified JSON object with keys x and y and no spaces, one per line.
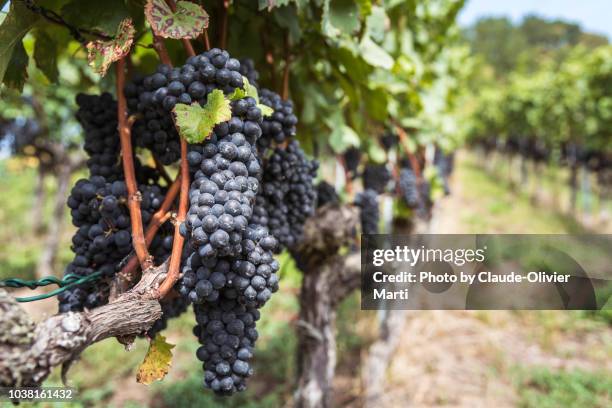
{"x":223,"y":27}
{"x":205,"y":39}
{"x":414,"y":163}
{"x":179,"y":240}
{"x":160,"y":48}
{"x":162,"y":170}
{"x":134,"y":197}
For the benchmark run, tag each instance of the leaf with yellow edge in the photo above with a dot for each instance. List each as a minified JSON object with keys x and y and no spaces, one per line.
{"x":188,"y":21}
{"x":101,"y":54}
{"x":157,"y":362}
{"x":195,"y":123}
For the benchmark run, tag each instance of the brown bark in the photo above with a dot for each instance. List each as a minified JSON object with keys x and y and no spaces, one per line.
{"x":28,"y":351}
{"x":328,"y":279}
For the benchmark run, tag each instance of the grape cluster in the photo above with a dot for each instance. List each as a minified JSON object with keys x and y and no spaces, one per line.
{"x":376,"y":177}
{"x":103,"y":238}
{"x":444,"y":164}
{"x":154,"y":97}
{"x":225,"y":185}
{"x":16,"y":134}
{"x":249,"y":276}
{"x":247,"y":69}
{"x":352,"y":158}
{"x":408,"y":185}
{"x":97,"y":114}
{"x":425,"y":201}
{"x":226,"y":330}
{"x":389,"y":140}
{"x":280,"y":126}
{"x":250,"y":194}
{"x":289,"y":192}
{"x":326,"y":193}
{"x":369,"y":213}
{"x":416,"y":194}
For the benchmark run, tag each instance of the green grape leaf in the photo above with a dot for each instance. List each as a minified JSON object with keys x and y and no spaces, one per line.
{"x":374,"y":54}
{"x":17,"y":71}
{"x":265,"y":110}
{"x":238,"y":93}
{"x":188,"y":21}
{"x":45,"y":55}
{"x":157,"y":362}
{"x":101,"y":54}
{"x":365,"y":7}
{"x":15,"y":25}
{"x":342,"y":136}
{"x":246,"y":90}
{"x":375,"y":23}
{"x":340,"y":17}
{"x":376,"y":153}
{"x":195,"y":123}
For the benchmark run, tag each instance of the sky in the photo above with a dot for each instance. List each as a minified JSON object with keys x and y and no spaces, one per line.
{"x":592,"y":15}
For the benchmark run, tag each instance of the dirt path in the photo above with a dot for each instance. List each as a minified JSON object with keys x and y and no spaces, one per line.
{"x":469,"y":359}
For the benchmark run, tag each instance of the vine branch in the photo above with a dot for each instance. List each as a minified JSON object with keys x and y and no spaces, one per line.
{"x":414,"y":163}
{"x":162,"y":170}
{"x":179,"y":240}
{"x":124,"y":278}
{"x":28,"y":351}
{"x":223,"y":27}
{"x":127,"y":154}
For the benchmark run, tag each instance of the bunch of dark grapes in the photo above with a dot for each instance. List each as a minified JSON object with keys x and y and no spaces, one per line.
{"x":369,"y":213}
{"x":249,"y":276}
{"x":247,"y":69}
{"x":17,"y":134}
{"x":352,"y":157}
{"x":280,"y":126}
{"x":289,"y":192}
{"x":99,"y":210}
{"x":224,"y":188}
{"x":97,"y":114}
{"x":425,"y":202}
{"x":444,"y":164}
{"x":326,"y":193}
{"x":154,"y":97}
{"x":389,"y":140}
{"x":408,"y":185}
{"x":226,"y":330}
{"x":243,"y":205}
{"x":376,"y":177}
